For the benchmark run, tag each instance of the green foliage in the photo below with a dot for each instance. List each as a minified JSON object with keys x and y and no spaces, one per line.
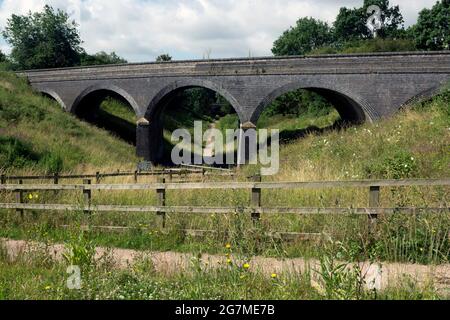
{"x":369,"y":46}
{"x":164,"y":58}
{"x":101,"y":58}
{"x":15,"y":153}
{"x":44,"y":39}
{"x":340,"y":280}
{"x":56,"y":139}
{"x":299,"y":102}
{"x":350,"y":24}
{"x":52,"y":162}
{"x":432,"y":31}
{"x":397,"y":165}
{"x":308,"y":34}
{"x":79,"y":251}
{"x":3,"y":57}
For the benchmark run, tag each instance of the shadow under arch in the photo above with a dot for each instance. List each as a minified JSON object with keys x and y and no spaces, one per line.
{"x":54,"y":96}
{"x":101,"y":91}
{"x":156,"y":147}
{"x":350,"y":108}
{"x":165,"y":95}
{"x":88,"y":107}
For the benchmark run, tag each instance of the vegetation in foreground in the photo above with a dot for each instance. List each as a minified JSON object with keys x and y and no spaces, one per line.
{"x":36,"y":276}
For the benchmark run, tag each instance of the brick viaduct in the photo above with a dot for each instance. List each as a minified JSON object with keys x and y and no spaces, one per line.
{"x":362,"y":87}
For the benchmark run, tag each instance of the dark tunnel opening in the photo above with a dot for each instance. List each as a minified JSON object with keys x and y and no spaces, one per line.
{"x":110,"y":111}
{"x":179,"y":109}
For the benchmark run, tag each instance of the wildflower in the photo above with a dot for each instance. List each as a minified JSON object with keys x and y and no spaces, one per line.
{"x":36,"y":196}
{"x":228,"y":246}
{"x":47,"y":287}
{"x":229,"y":261}
{"x":246,"y":266}
{"x":30,"y":196}
{"x":274,"y":276}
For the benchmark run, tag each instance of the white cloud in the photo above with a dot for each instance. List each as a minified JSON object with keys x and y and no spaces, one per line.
{"x":139,"y":30}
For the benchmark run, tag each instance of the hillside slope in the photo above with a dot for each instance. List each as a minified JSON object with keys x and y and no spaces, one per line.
{"x":36,"y":135}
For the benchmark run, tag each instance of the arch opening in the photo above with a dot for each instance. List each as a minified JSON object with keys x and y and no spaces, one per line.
{"x":180,"y":108}
{"x":53,"y":96}
{"x":297,"y":112}
{"x":110,"y":111}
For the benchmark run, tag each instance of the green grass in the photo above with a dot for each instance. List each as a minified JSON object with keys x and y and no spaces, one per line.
{"x":32,"y":276}
{"x":37,"y":136}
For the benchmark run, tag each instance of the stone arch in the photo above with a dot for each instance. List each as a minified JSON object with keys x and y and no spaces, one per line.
{"x":87,"y":106}
{"x":155,"y":104}
{"x":102,"y":90}
{"x":423,"y":95}
{"x":53,"y":95}
{"x":350,"y":106}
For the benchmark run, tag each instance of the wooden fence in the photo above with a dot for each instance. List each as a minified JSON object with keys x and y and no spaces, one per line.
{"x":99,"y":176}
{"x":254,"y":209}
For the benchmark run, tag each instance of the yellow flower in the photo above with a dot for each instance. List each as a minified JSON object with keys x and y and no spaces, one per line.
{"x":274,"y":276}
{"x":36,"y":196}
{"x":246,"y":266}
{"x":229,"y":261}
{"x":47,"y":288}
{"x":228,"y":246}
{"x":30,"y":196}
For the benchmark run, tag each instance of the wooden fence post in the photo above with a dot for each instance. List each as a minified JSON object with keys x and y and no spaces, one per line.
{"x":97,"y":177}
{"x":55,"y":178}
{"x":256,"y":199}
{"x":161,"y":194}
{"x":19,"y":199}
{"x":87,"y":195}
{"x":135,"y":176}
{"x":374,"y":202}
{"x":3,"y":179}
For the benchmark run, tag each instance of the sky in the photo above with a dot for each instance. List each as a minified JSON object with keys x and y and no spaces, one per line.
{"x":140,"y":30}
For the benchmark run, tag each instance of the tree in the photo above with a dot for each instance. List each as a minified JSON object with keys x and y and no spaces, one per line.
{"x":101,"y":58}
{"x":2,"y":57}
{"x":163,"y":58}
{"x":350,"y":24}
{"x":44,"y":39}
{"x":308,"y":34}
{"x":432,"y":31}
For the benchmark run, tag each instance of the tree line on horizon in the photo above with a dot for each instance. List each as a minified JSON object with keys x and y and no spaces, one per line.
{"x":350,"y":34}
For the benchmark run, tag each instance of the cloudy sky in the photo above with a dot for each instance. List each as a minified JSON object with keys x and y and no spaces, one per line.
{"x":140,"y":30}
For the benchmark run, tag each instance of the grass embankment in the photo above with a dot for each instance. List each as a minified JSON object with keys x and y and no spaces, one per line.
{"x":412,"y":144}
{"x":37,"y":136}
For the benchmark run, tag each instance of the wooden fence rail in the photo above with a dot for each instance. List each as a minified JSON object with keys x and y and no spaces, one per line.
{"x":234,"y":185}
{"x":255,"y":209}
{"x":98,"y":175}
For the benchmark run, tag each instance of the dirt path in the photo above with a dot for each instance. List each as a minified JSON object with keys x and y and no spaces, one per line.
{"x":169,"y":263}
